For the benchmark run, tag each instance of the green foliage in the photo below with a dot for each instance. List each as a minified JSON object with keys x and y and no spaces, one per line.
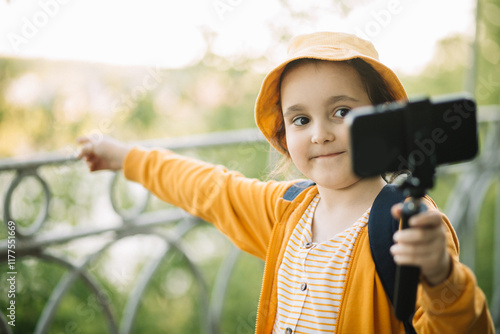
{"x":33,"y":280}
{"x":485,"y":243}
{"x":453,"y":65}
{"x":238,"y":316}
{"x":445,"y":73}
{"x":172,"y":300}
{"x":487,"y":88}
{"x":79,"y":312}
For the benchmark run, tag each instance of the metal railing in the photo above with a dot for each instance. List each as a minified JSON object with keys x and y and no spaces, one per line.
{"x":464,"y":205}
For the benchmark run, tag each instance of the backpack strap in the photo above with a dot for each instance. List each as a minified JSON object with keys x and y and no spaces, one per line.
{"x":296,"y":188}
{"x":381,"y":227}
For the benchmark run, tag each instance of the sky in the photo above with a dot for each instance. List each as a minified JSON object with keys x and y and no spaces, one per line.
{"x":169,"y":33}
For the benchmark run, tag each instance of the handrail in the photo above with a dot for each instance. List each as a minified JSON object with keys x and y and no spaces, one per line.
{"x":213,"y":139}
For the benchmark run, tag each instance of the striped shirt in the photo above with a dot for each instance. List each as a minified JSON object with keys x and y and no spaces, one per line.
{"x":311,"y":277}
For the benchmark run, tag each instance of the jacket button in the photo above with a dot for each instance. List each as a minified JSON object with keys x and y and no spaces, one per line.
{"x":288,"y":330}
{"x":309,"y":245}
{"x":303,"y":286}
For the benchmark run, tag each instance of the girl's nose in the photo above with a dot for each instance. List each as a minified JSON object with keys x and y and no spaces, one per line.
{"x":322,"y":133}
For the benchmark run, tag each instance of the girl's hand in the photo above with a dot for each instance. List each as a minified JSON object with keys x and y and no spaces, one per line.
{"x":103,"y":153}
{"x":423,"y":245}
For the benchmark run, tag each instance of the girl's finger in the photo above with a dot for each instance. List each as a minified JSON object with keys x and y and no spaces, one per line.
{"x":416,"y":235}
{"x":431,"y":218}
{"x":82,"y":150}
{"x":86,"y":150}
{"x":82,"y":140}
{"x":417,"y":255}
{"x":396,"y":210}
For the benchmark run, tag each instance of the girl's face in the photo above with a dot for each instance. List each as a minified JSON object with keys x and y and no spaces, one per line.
{"x":315,"y":98}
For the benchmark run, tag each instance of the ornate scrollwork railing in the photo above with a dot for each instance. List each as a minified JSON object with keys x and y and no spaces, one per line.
{"x":33,"y":241}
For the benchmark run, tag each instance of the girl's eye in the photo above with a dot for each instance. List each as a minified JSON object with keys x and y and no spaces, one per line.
{"x":342,"y":112}
{"x":300,"y":121}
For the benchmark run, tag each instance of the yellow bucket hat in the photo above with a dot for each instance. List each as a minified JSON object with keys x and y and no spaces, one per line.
{"x":331,"y":46}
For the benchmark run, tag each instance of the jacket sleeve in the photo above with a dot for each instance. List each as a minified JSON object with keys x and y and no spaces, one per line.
{"x":243,"y":209}
{"x":455,"y":306}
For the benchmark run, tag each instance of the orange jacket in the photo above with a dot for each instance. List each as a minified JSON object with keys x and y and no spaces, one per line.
{"x":254,"y":215}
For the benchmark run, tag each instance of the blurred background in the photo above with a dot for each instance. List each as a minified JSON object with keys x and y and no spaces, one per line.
{"x":155,"y":70}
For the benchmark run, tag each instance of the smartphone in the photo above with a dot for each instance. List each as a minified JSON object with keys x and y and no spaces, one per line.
{"x":403,"y":135}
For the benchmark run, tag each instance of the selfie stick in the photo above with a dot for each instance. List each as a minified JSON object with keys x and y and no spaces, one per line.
{"x":415,"y":136}
{"x":422,"y":178}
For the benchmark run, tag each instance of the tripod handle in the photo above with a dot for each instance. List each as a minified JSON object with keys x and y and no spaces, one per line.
{"x":405,"y":287}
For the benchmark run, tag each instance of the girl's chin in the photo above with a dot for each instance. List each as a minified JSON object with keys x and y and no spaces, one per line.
{"x":335,"y":183}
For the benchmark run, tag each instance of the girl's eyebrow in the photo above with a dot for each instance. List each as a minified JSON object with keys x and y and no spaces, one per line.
{"x":331,"y":100}
{"x":338,"y":98}
{"x":293,"y":109}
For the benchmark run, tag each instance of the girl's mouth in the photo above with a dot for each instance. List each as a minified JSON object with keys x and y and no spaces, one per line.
{"x":328,"y":155}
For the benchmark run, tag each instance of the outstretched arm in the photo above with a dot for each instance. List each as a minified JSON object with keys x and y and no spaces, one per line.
{"x":243,"y":209}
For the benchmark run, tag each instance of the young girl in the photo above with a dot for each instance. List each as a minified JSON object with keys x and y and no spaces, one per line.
{"x":319,"y":274}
